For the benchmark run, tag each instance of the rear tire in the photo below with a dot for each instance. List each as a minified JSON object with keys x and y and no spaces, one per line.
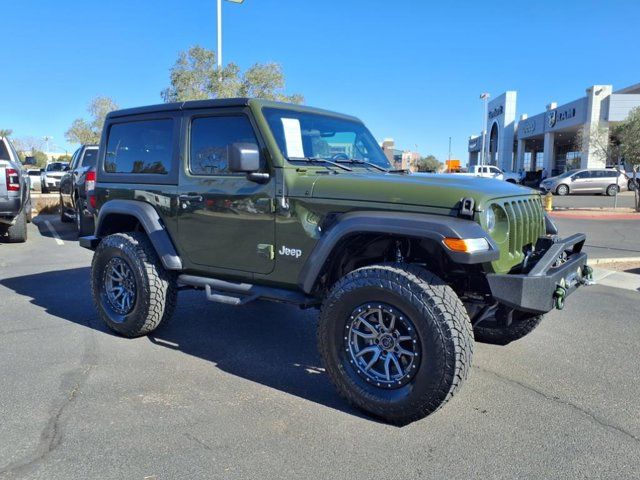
{"x":631,"y":185}
{"x":612,"y":190}
{"x":562,"y":190}
{"x":147,"y":292}
{"x":64,"y":218}
{"x":17,"y":233}
{"x":489,"y":331}
{"x":427,"y":314}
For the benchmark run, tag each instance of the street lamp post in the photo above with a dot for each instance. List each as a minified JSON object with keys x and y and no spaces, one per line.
{"x":484,"y":96}
{"x":220,"y":30}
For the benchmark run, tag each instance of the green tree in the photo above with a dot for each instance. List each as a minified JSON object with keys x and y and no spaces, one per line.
{"x":40,"y":157}
{"x":5,"y":132}
{"x":429,"y":164}
{"x":627,"y":135}
{"x":195,"y":76}
{"x":64,"y":158}
{"x":89,"y":131}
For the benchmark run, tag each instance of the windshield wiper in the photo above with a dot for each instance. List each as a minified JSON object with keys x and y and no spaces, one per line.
{"x":319,"y":160}
{"x":365,"y":162}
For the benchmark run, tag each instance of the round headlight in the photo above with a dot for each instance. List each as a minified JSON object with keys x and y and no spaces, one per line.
{"x":491,"y":219}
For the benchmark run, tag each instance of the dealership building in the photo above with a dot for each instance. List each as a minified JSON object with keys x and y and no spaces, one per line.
{"x":551,"y":139}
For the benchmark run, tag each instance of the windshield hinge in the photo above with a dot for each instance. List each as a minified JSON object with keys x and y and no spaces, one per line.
{"x":467,"y":205}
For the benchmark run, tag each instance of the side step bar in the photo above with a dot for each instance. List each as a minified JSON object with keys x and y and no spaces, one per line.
{"x":232,"y":293}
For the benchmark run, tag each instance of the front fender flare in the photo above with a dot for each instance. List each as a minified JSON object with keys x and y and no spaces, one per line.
{"x":415,"y":225}
{"x":151,"y":223}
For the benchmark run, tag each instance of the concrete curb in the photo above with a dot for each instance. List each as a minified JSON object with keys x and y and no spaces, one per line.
{"x":610,"y":278}
{"x":601,"y":261}
{"x":594,"y":215}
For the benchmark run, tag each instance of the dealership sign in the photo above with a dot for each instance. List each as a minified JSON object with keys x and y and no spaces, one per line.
{"x":555,"y":116}
{"x":496,"y":112}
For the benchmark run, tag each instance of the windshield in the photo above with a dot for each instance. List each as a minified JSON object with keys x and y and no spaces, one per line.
{"x":310,"y":135}
{"x":56,"y":167}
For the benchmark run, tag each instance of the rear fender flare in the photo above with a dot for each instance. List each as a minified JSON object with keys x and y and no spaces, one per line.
{"x":151,"y":223}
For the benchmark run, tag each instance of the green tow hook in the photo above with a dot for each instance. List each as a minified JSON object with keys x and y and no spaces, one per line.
{"x":559,"y":296}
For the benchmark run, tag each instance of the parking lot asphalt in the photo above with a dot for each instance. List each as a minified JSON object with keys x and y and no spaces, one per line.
{"x":605,"y":238}
{"x":225,"y":392}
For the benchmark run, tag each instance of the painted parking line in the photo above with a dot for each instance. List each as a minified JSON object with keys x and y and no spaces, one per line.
{"x":53,"y":232}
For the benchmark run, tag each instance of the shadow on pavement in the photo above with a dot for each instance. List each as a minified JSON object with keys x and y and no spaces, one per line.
{"x":264,"y":342}
{"x":65,"y":231}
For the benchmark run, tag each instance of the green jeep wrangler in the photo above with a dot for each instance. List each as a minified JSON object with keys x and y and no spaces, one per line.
{"x":247,"y":200}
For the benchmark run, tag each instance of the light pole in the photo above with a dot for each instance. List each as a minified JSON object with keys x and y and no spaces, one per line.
{"x":47,"y":139}
{"x":220,"y":30}
{"x":484,"y":96}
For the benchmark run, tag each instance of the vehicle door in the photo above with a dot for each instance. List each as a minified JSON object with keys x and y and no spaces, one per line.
{"x":67,"y":183}
{"x":580,"y":182}
{"x":226,"y":221}
{"x":495,"y":172}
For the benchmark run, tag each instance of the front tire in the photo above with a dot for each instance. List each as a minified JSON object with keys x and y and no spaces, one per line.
{"x":132,"y":291}
{"x":562,"y":190}
{"x":396,"y":341}
{"x":490,"y":330}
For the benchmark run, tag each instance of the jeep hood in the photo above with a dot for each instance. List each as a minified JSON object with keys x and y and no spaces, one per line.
{"x":434,"y":190}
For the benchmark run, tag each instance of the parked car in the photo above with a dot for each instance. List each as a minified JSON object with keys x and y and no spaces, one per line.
{"x":248,"y":199}
{"x":15,"y":195}
{"x":35,"y":179}
{"x":74,"y":185}
{"x":491,"y":171}
{"x":52,"y":174}
{"x":587,"y":180}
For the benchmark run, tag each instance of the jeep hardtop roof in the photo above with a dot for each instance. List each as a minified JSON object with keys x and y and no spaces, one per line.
{"x":222,"y":103}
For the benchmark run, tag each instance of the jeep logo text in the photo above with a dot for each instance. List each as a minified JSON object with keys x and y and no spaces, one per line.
{"x":290,"y":252}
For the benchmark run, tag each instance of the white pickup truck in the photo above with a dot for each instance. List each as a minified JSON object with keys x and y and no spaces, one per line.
{"x":490,"y":171}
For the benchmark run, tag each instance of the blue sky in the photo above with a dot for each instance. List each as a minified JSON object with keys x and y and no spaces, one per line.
{"x":411,"y":69}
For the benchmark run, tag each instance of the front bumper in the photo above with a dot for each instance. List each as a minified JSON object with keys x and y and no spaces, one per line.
{"x":560,"y":270}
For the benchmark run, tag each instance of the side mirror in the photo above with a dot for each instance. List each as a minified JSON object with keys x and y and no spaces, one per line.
{"x":244,"y":157}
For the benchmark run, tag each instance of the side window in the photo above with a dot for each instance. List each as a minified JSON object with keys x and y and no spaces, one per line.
{"x":494,"y":170}
{"x":211,"y":138}
{"x":581,"y":175}
{"x":90,"y":157}
{"x":140,"y":147}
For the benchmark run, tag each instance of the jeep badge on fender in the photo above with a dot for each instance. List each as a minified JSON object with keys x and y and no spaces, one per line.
{"x":404,"y":277}
{"x":290,"y":252}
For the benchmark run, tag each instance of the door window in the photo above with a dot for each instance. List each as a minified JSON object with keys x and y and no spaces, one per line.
{"x":581,"y":176}
{"x":211,"y":138}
